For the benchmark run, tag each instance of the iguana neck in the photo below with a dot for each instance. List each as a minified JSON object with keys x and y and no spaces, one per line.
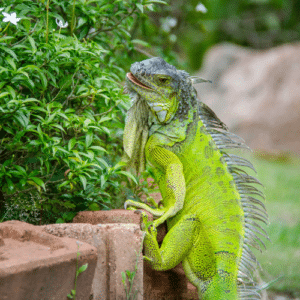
{"x":187,"y":113}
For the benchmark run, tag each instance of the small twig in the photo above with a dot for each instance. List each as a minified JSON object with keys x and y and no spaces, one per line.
{"x":106,"y":112}
{"x":19,"y":192}
{"x":73,"y":89}
{"x":26,"y":37}
{"x":112,"y":27}
{"x":58,"y":92}
{"x":51,"y":175}
{"x":143,"y":52}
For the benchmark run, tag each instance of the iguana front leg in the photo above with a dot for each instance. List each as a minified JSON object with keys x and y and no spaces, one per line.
{"x":176,"y":245}
{"x":172,"y":183}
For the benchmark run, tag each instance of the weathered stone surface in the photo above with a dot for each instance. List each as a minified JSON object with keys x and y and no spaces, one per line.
{"x":117,"y":216}
{"x":256,"y":93}
{"x":117,"y":245}
{"x":36,"y":265}
{"x":107,"y":216}
{"x":171,"y":284}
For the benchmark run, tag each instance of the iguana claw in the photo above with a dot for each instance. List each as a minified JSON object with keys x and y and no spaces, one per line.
{"x":126,"y":204}
{"x":148,"y":226}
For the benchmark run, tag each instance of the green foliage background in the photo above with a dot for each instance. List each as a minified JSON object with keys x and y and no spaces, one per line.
{"x":61,"y":107}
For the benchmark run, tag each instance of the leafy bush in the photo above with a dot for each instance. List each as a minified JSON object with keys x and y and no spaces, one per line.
{"x":61,"y":106}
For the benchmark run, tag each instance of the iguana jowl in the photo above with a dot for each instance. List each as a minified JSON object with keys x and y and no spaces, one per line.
{"x":210,"y":204}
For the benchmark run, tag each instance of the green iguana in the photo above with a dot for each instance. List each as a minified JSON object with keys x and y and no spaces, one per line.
{"x":209,"y":202}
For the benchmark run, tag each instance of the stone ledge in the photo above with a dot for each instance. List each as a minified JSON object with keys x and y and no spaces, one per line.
{"x":116,"y":245}
{"x":38,"y":265}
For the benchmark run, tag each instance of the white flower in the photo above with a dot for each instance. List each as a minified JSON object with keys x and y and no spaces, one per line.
{"x":169,"y":23}
{"x":11,"y":18}
{"x":61,"y":24}
{"x":201,"y":7}
{"x":92,"y":30}
{"x":172,"y":22}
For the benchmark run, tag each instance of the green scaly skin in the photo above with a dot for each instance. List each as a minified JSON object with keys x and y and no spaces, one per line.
{"x":207,"y":200}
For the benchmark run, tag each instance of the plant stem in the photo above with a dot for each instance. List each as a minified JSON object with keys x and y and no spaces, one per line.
{"x":5,"y":28}
{"x":73,"y":17}
{"x":47,"y":24}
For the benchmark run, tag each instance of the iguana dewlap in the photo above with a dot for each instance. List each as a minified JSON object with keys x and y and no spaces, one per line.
{"x":211,"y":205}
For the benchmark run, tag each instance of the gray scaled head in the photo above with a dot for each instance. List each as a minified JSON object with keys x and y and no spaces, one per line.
{"x":158,"y":83}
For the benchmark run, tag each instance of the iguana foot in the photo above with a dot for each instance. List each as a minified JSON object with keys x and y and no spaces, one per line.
{"x":147,"y":226}
{"x":152,"y":202}
{"x":133,"y":205}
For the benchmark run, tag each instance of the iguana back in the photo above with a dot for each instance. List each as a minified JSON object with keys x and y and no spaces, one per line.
{"x":209,"y":203}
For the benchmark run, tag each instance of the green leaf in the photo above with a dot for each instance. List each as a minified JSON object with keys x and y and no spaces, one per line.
{"x":71,"y":144}
{"x":42,"y":78}
{"x":59,"y":127}
{"x":27,"y":24}
{"x":102,"y":180}
{"x":140,"y":42}
{"x":12,"y":53}
{"x":83,"y":180}
{"x":4,"y":38}
{"x":127,"y":174}
{"x":82,"y":269}
{"x":11,"y":63}
{"x":38,"y":181}
{"x":10,"y":184}
{"x":11,"y":91}
{"x":22,"y":182}
{"x":91,"y":154}
{"x":23,"y":120}
{"x":60,"y":220}
{"x":20,"y":169}
{"x":4,"y":94}
{"x":102,"y":161}
{"x":157,"y":1}
{"x":89,"y":139}
{"x":81,"y":21}
{"x":30,"y":100}
{"x":140,"y":7}
{"x":34,"y":184}
{"x":103,"y":119}
{"x":98,"y":148}
{"x":27,"y":81}
{"x":62,"y":149}
{"x":32,"y":43}
{"x":124,"y":278}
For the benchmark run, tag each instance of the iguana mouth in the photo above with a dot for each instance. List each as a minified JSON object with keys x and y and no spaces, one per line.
{"x":133,"y":79}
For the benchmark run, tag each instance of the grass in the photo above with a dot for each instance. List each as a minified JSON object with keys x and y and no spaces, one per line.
{"x":282,"y":257}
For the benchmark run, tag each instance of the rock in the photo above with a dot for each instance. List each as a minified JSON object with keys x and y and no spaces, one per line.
{"x":37,"y":265}
{"x":256,"y":93}
{"x":117,"y":248}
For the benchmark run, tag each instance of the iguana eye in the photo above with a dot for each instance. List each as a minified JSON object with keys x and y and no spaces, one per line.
{"x":163,"y":80}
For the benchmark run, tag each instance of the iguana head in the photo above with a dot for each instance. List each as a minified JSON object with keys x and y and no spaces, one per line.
{"x":160,"y":90}
{"x":159,"y":84}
